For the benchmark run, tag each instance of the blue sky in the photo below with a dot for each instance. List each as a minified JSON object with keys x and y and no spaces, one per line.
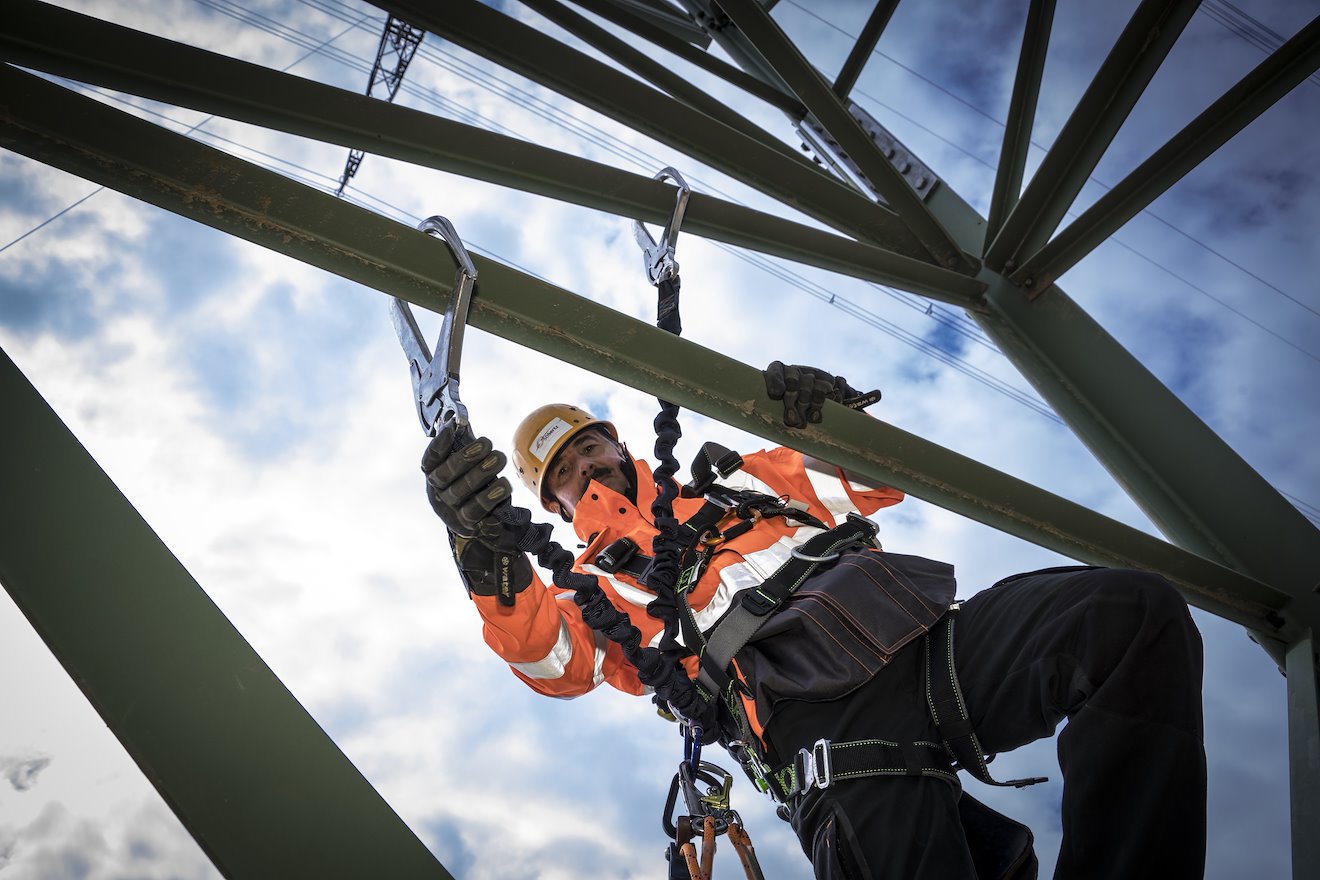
{"x":256,"y":411}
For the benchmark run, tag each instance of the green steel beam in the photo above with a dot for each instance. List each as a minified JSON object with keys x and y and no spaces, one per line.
{"x":712,"y":17}
{"x":1156,"y":448}
{"x":1106,"y":103}
{"x":1175,"y":468}
{"x":1021,"y":114}
{"x":249,"y":773}
{"x":66,"y":43}
{"x":821,"y":101}
{"x":865,"y":45}
{"x":526,"y":51}
{"x":1304,"y":753}
{"x":123,"y":152}
{"x":674,"y":22}
{"x":658,"y":74}
{"x":657,"y":36}
{"x":1255,"y":93}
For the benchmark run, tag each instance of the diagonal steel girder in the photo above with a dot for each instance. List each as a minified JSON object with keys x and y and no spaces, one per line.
{"x":66,"y":43}
{"x":116,"y":149}
{"x":660,"y":15}
{"x":865,"y":45}
{"x":1108,"y":398}
{"x":254,"y":779}
{"x":526,"y":51}
{"x":821,"y":101}
{"x":621,"y":16}
{"x":1255,"y":93}
{"x":1021,"y":115}
{"x":657,"y":74}
{"x":1106,"y":103}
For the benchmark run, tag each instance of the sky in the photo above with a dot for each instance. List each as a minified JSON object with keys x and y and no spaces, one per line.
{"x":256,"y":411}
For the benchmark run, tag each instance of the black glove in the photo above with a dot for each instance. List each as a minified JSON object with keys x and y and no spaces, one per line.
{"x":804,"y":391}
{"x":464,"y":489}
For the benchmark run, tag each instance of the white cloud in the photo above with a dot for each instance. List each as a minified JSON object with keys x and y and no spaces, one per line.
{"x":257,"y":413}
{"x":22,"y":770}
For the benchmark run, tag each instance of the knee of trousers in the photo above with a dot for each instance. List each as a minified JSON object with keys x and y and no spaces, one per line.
{"x":1142,"y":599}
{"x":1151,"y":638}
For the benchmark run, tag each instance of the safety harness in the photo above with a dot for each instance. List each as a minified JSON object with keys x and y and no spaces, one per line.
{"x":679,"y":555}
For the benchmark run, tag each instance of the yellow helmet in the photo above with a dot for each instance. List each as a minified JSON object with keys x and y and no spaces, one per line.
{"x":542,"y":434}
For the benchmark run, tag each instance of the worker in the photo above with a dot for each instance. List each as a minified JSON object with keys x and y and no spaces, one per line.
{"x":846,"y":683}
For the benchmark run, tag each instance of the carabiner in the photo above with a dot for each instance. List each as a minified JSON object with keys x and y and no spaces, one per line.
{"x":435,"y":379}
{"x":658,"y":258}
{"x":692,"y":744}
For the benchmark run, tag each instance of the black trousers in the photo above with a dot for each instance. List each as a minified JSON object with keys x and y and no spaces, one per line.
{"x":1114,"y":652}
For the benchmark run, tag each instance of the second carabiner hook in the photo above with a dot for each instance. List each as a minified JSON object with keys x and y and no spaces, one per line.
{"x":659,"y":257}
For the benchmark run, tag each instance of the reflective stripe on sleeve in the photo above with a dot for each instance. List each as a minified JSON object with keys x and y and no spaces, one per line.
{"x":598,"y":669}
{"x":552,"y":665}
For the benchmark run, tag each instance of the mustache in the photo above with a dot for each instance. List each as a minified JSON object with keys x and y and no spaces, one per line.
{"x":595,"y":473}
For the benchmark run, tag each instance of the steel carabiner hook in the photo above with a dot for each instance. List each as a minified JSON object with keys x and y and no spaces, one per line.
{"x":658,"y":258}
{"x":435,"y":379}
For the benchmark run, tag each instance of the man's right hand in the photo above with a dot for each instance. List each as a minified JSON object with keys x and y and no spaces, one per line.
{"x":464,"y":489}
{"x":463,"y":482}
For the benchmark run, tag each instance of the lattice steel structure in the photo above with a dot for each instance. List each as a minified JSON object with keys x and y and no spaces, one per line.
{"x":398,"y":43}
{"x":1252,"y":562}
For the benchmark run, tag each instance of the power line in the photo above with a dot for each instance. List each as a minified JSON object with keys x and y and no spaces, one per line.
{"x":197,"y":127}
{"x":543,"y":110}
{"x":979,"y":111}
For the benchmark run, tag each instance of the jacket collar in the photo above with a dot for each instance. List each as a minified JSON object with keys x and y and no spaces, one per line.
{"x":600,"y":507}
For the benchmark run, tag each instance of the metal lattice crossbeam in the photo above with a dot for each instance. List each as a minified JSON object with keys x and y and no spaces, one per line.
{"x":1252,"y":562}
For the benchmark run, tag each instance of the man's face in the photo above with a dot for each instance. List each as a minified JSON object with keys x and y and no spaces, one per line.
{"x":591,"y":455}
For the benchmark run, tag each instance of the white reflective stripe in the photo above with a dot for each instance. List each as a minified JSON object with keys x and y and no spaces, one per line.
{"x":742,"y":480}
{"x":628,"y":593}
{"x":829,"y":488}
{"x":598,"y":669}
{"x":552,"y":665}
{"x":748,"y":574}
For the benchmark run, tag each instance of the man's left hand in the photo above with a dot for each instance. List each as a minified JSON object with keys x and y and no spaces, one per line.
{"x":804,"y":391}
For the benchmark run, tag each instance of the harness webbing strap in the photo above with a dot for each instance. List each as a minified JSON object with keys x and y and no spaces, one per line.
{"x":949,"y":710}
{"x":829,"y":762}
{"x":755,"y":606}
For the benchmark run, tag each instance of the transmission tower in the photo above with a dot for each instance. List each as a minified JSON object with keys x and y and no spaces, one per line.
{"x":398,"y":41}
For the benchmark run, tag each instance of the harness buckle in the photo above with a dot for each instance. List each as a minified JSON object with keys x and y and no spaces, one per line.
{"x":813,"y":768}
{"x":616,"y":555}
{"x":758,"y":603}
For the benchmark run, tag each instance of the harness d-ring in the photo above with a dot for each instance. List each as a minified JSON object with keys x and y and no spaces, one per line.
{"x":659,"y":257}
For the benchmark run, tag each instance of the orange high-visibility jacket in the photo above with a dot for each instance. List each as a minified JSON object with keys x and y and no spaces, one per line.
{"x":543,"y":637}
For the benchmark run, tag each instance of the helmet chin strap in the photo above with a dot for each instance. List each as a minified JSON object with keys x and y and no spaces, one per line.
{"x":629,"y":469}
